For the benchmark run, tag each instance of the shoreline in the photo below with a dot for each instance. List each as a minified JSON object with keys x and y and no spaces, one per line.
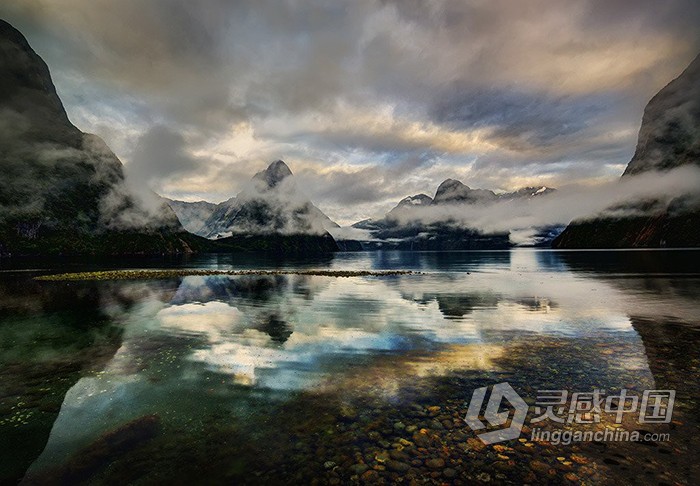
{"x":173,"y":273}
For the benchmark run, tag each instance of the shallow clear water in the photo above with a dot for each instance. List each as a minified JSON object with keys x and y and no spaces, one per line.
{"x":292,"y":378}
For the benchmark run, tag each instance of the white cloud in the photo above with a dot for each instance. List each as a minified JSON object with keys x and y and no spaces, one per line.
{"x":490,"y":92}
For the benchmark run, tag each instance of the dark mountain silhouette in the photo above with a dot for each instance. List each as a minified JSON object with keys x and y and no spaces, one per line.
{"x":669,"y":137}
{"x":63,"y":191}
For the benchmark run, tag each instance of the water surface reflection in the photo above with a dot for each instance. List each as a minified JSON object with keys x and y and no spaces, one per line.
{"x":209,"y":365}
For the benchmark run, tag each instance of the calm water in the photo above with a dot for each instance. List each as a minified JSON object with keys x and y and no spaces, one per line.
{"x":299,"y":379}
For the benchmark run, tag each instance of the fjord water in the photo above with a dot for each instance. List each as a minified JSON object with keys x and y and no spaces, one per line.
{"x":290,"y":378}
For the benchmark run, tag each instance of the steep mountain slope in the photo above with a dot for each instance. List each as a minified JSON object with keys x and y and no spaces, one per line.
{"x":669,"y":137}
{"x":670,"y":132}
{"x":62,"y":191}
{"x":270,"y":204}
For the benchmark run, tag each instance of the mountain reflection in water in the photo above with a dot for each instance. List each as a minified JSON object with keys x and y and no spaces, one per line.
{"x":204,"y":363}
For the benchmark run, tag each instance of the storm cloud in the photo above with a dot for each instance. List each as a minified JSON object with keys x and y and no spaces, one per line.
{"x":366,"y":100}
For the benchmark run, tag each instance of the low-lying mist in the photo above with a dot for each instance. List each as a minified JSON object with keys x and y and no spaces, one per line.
{"x":638,"y":195}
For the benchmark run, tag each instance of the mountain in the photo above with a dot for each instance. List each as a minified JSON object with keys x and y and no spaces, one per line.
{"x":63,"y":191}
{"x":414,"y":201}
{"x":405,"y":205}
{"x":192,"y":215}
{"x":270,"y":204}
{"x":452,"y":191}
{"x":526,"y":193}
{"x":669,"y":137}
{"x":403,"y":228}
{"x":269,"y":214}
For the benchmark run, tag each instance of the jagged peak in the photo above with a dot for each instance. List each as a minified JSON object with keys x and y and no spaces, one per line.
{"x":413,"y":201}
{"x":275,"y":173}
{"x":448,"y":188}
{"x":452,"y":190}
{"x":416,"y":199}
{"x":279,"y":165}
{"x":451,"y":183}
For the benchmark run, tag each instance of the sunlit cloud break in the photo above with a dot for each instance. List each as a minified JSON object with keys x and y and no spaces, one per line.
{"x":491,"y":93}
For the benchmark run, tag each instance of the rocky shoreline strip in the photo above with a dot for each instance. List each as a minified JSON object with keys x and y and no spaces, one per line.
{"x":173,"y":273}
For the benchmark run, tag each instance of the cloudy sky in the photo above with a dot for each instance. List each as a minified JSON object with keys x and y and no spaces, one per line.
{"x":366,"y":100}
